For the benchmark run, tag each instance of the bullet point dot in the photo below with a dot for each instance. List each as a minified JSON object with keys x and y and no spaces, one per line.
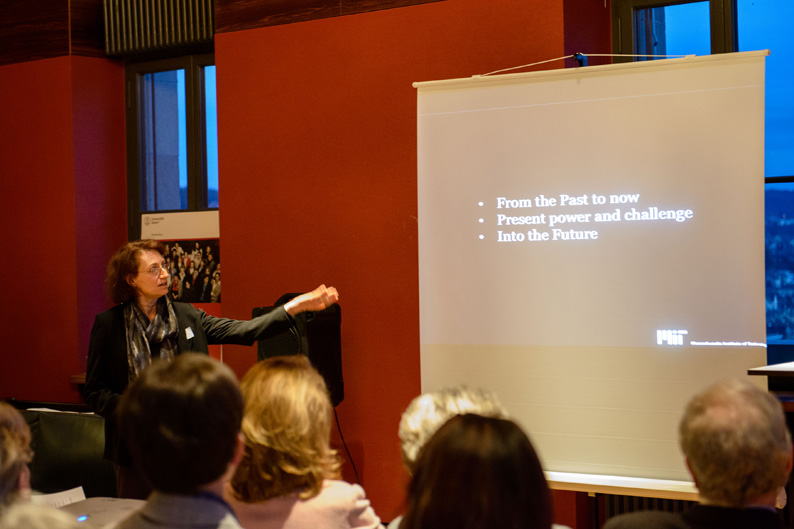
{"x":482,"y":236}
{"x":480,"y":203}
{"x":482,"y":220}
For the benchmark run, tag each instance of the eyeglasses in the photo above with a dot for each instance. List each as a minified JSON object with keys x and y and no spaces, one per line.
{"x":155,"y":270}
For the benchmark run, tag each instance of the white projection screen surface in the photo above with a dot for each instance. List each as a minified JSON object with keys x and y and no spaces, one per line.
{"x":591,"y":248}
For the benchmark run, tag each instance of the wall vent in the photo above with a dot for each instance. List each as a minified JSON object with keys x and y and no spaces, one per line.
{"x":135,"y":27}
{"x":615,"y":505}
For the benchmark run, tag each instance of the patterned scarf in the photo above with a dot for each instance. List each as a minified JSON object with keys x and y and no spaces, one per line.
{"x":143,"y":335}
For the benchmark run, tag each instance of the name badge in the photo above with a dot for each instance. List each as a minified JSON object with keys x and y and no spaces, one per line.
{"x":189,"y":333}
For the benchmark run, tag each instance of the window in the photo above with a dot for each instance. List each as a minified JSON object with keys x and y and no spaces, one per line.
{"x":766,"y":24}
{"x":762,"y":25}
{"x":668,"y":30}
{"x":172,"y":137}
{"x":654,"y":27}
{"x":678,"y":28}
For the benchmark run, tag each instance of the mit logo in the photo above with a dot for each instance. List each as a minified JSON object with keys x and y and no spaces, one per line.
{"x":670,"y":337}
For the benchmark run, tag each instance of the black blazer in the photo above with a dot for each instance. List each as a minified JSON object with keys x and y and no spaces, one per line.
{"x":107,"y":372}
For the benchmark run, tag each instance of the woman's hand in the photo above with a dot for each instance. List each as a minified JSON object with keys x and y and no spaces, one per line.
{"x":320,"y":298}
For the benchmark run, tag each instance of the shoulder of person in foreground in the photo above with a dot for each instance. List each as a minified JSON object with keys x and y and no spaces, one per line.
{"x":646,"y":520}
{"x":176,"y":511}
{"x":26,"y":515}
{"x":352,"y":498}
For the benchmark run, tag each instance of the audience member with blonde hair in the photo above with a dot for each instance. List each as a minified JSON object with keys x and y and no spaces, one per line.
{"x":15,"y":454}
{"x":288,"y":476}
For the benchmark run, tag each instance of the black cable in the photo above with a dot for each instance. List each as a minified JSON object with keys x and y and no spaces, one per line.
{"x":339,"y":428}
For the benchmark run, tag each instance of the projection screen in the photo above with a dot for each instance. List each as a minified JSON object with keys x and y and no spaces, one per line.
{"x":591,"y":248}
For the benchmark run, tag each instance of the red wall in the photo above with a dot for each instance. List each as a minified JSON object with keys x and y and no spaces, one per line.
{"x":588,"y":30}
{"x":317,"y":148}
{"x":100,"y":182}
{"x":62,"y":175}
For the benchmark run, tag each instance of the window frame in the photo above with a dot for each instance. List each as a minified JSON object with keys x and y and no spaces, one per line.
{"x":722,"y":21}
{"x":196,"y":141}
{"x":724,"y":39}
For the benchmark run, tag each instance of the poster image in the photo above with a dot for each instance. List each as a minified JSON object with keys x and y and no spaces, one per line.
{"x":194,"y":267}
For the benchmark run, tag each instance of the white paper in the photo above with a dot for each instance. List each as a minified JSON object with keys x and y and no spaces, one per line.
{"x":59,"y":499}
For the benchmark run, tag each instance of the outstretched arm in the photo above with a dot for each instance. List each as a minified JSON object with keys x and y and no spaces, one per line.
{"x":320,"y":298}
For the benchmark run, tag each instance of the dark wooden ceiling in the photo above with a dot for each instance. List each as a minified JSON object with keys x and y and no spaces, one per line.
{"x":41,"y":29}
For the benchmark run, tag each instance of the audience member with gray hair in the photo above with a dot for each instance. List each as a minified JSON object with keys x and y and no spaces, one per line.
{"x":429,"y":411}
{"x":738,"y":449}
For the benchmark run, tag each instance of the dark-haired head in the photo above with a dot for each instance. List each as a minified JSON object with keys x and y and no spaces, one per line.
{"x":478,"y":473}
{"x":182,"y":421}
{"x":123,"y":264}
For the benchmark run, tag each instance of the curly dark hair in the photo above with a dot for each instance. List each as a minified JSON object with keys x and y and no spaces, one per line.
{"x":125,"y":262}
